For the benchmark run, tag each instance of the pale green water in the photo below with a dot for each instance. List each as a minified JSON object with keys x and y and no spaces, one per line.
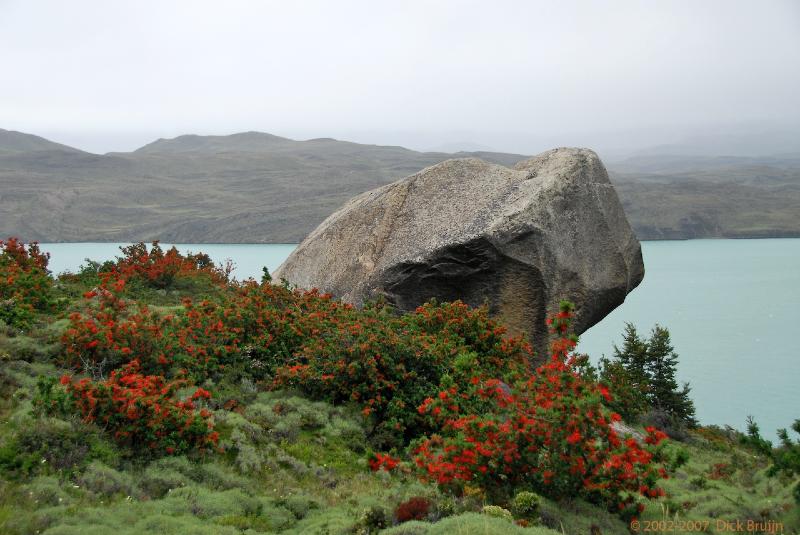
{"x":732,"y":307}
{"x":733,"y":310}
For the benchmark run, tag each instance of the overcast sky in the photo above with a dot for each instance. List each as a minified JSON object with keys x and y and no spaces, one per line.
{"x":111,"y":75}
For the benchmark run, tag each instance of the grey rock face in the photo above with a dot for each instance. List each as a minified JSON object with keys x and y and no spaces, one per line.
{"x":518,"y":239}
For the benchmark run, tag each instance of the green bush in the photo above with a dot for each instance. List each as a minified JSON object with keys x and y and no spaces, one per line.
{"x":413,"y":527}
{"x":526,"y":504}
{"x":329,"y":521}
{"x":158,"y":481}
{"x":43,"y":491}
{"x":258,"y":524}
{"x":105,"y":481}
{"x":205,"y":503}
{"x":279,"y":518}
{"x":373,"y":519}
{"x":31,"y":348}
{"x":219,"y":477}
{"x":163,"y":524}
{"x":47,"y":445}
{"x":497,"y":512}
{"x":472,"y":523}
{"x":37,"y":521}
{"x":299,"y":504}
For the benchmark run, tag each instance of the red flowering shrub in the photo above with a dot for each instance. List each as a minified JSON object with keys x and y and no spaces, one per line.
{"x":416,"y":508}
{"x":549,"y":432}
{"x":141,"y":411}
{"x":198,"y":340}
{"x":256,"y":328}
{"x":159,"y":269}
{"x":389,"y":364}
{"x":110,"y":332}
{"x":270,"y":323}
{"x":386,"y":363}
{"x":25,"y":283}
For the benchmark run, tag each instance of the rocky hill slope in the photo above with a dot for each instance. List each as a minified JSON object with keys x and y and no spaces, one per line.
{"x":260,"y":188}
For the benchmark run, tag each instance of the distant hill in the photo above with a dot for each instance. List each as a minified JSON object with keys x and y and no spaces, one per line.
{"x":242,"y":142}
{"x":680,"y":197}
{"x":254,"y":187}
{"x":12,"y":142}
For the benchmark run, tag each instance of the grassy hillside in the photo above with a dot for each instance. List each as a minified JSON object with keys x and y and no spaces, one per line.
{"x":259,"y":188}
{"x":692,"y":197}
{"x":309,"y":475}
{"x":310,"y":429}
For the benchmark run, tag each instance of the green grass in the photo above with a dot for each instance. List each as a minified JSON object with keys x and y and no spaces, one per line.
{"x":741,"y":490}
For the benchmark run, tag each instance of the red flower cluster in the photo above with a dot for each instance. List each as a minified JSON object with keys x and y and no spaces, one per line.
{"x":549,"y":431}
{"x":25,"y":283}
{"x":381,"y":461}
{"x":141,"y":411}
{"x":654,"y":436}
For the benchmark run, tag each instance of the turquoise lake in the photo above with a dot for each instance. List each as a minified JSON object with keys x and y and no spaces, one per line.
{"x":732,"y":307}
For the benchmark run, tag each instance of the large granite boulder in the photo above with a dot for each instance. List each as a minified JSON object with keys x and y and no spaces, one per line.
{"x":518,"y":239}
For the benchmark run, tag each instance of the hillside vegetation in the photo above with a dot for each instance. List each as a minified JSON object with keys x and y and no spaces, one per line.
{"x":154,"y":395}
{"x":259,"y":188}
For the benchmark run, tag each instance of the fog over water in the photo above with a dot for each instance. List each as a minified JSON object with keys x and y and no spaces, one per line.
{"x":721,"y":76}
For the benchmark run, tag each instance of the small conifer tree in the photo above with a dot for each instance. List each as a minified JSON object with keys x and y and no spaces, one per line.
{"x":664,"y":394}
{"x":642,"y":376}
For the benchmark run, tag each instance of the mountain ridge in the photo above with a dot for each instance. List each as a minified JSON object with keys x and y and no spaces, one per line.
{"x":255,"y":187}
{"x":12,"y":141}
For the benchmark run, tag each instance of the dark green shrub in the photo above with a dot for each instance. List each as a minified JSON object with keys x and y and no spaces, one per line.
{"x":373,"y":519}
{"x":48,"y":445}
{"x":641,"y":377}
{"x":157,"y":481}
